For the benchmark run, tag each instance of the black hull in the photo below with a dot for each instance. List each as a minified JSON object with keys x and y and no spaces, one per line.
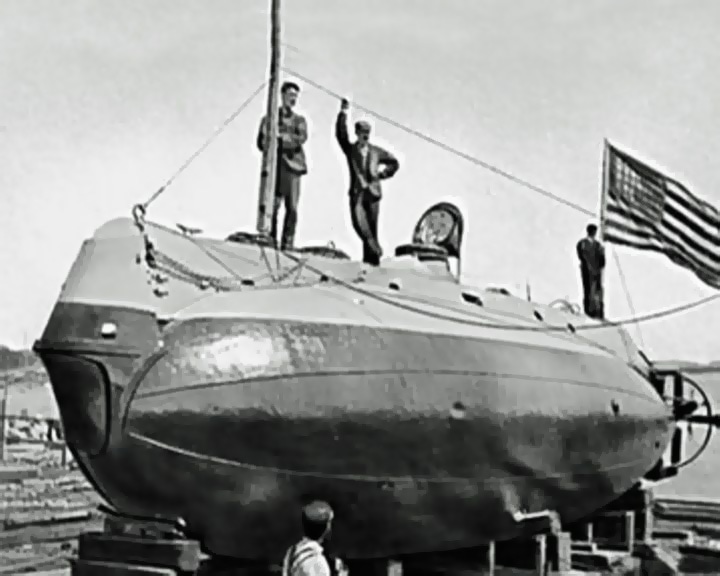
{"x":421,"y":441}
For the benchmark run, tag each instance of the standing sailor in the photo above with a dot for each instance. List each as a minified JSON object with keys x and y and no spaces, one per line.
{"x":291,"y":162}
{"x":368,"y":165}
{"x":307,"y":557}
{"x":592,"y":262}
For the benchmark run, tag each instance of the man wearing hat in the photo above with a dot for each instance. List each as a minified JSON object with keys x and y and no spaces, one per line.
{"x":307,"y":557}
{"x":291,"y":162}
{"x":368,"y":165}
{"x":591,"y":254}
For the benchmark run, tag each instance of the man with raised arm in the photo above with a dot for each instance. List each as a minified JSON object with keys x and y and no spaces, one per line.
{"x":368,"y":164}
{"x":291,"y":162}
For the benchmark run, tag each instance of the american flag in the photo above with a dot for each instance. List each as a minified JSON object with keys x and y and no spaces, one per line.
{"x":646,"y":210}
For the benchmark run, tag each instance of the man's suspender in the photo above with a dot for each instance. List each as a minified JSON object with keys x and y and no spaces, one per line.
{"x":293,"y":558}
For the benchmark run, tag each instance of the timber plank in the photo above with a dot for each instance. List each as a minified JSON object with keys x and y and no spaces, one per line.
{"x":88,"y":568}
{"x":178,"y":554}
{"x":48,"y":533}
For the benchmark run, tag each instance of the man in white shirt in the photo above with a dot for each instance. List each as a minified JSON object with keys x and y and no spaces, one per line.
{"x":307,"y":557}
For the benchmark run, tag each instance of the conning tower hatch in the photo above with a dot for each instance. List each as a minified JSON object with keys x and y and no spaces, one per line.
{"x":437,"y":236}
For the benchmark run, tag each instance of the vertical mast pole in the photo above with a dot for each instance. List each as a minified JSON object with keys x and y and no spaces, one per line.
{"x":269,"y":160}
{"x":604,"y":183}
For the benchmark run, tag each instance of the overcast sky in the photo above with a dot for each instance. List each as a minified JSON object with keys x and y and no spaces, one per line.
{"x":101,"y":101}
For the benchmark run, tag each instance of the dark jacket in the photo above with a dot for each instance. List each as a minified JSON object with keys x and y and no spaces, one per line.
{"x":591,"y":254}
{"x":365,"y":175}
{"x":292,"y":134}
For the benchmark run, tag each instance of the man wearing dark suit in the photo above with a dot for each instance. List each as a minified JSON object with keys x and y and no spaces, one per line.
{"x":368,"y":165}
{"x":592,"y":262}
{"x":291,"y":162}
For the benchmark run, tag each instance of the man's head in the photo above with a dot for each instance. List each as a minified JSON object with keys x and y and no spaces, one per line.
{"x":362,"y":131}
{"x":317,"y":520}
{"x":591,"y":230}
{"x":289,"y":92}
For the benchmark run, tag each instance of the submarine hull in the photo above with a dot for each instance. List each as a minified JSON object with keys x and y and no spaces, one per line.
{"x":423,"y":434}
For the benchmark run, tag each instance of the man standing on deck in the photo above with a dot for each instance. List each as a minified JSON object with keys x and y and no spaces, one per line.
{"x":307,"y":557}
{"x":291,"y":162}
{"x":592,"y":262}
{"x":368,"y":165}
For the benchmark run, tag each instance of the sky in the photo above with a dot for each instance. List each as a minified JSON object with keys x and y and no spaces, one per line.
{"x":102,"y":101}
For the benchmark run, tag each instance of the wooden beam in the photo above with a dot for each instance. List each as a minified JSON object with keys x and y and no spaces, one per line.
{"x":183,"y":555}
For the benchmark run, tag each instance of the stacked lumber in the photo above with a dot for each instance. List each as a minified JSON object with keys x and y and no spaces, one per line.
{"x":41,"y":516}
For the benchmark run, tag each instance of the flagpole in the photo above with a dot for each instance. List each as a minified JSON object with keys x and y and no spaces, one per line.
{"x":604,"y":183}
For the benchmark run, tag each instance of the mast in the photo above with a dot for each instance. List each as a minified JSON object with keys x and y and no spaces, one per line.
{"x":604,"y":183}
{"x":269,"y":159}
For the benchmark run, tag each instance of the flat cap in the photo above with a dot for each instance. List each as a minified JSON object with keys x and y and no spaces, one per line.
{"x":363,"y":126}
{"x":318,"y":511}
{"x":289,"y":85}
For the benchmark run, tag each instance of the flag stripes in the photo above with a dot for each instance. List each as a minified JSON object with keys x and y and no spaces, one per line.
{"x":649,"y":211}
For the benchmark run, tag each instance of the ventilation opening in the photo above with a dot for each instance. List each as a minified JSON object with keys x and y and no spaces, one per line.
{"x":471,"y":298}
{"x":248,"y":282}
{"x":538,"y":315}
{"x":394,"y":286}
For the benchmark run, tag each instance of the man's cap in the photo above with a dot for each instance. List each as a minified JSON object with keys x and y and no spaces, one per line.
{"x":591,"y":227}
{"x":363,"y":126}
{"x":289,"y":85}
{"x":318,"y":512}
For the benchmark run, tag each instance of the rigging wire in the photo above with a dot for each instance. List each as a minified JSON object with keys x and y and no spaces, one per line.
{"x":481,"y":163}
{"x":632,"y":320}
{"x":447,"y":147}
{"x":207,"y":143}
{"x":623,"y":282}
{"x":439,"y":316}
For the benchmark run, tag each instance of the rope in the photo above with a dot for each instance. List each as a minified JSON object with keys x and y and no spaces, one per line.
{"x":212,"y":137}
{"x":632,"y":320}
{"x":467,"y":321}
{"x":448,"y":148}
{"x":627,"y":295}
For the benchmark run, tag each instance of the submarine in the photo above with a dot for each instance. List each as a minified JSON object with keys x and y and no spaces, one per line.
{"x":228,"y":383}
{"x":225,"y":383}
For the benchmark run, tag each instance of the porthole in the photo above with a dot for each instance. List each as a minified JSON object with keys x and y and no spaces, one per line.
{"x":471,"y":298}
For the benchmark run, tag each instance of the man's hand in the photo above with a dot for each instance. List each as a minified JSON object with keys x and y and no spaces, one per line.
{"x":344,"y":105}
